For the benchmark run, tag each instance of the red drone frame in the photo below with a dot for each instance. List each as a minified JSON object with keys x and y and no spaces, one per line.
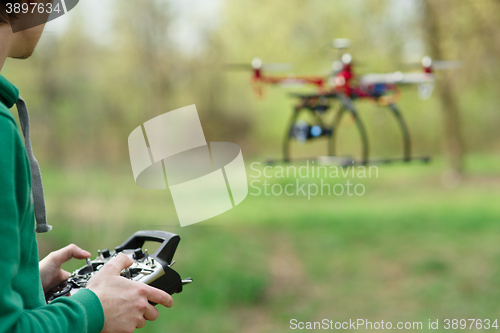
{"x":344,"y":86}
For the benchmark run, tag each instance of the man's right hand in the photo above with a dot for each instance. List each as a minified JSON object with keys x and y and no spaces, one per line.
{"x":125,"y":302}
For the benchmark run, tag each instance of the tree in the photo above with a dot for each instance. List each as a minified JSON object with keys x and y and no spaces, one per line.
{"x":433,"y":12}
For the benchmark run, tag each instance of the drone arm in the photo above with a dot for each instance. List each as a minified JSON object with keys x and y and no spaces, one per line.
{"x":319,"y":82}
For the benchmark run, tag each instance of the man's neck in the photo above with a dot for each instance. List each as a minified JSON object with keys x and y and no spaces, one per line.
{"x":6,"y":36}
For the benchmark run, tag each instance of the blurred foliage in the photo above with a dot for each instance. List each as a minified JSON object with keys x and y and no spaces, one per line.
{"x":87,"y":93}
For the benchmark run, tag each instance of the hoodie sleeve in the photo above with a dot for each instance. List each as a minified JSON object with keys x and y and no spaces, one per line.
{"x":81,"y":312}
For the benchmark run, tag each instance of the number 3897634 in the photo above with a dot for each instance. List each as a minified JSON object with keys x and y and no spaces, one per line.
{"x":33,"y":7}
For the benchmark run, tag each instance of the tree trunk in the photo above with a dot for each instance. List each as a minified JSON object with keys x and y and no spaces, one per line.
{"x":453,"y":144}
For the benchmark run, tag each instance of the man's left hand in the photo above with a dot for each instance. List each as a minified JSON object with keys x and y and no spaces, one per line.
{"x":51,"y":272}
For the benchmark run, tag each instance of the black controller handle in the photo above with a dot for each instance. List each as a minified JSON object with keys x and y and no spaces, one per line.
{"x":168,"y":240}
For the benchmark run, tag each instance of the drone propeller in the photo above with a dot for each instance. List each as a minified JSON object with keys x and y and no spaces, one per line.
{"x":257,"y":64}
{"x":238,"y":67}
{"x":341,"y":43}
{"x":427,"y":62}
{"x":447,"y":64}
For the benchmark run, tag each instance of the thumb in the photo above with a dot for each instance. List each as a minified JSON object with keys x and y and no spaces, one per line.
{"x":68,"y":252}
{"x":65,"y":275}
{"x":117,"y":264}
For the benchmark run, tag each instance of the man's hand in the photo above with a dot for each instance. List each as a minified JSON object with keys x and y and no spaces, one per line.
{"x":125,"y":302}
{"x":51,"y":272}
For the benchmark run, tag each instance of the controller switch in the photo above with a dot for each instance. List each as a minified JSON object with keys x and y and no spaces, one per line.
{"x":106,"y":254}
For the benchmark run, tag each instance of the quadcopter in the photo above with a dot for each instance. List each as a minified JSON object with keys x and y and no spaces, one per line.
{"x":336,"y":94}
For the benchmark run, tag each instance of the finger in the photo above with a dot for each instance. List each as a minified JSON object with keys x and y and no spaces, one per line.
{"x":158,"y":296}
{"x":68,"y":252}
{"x":141,"y":324}
{"x":117,"y":264}
{"x":151,"y":313}
{"x":65,"y":275}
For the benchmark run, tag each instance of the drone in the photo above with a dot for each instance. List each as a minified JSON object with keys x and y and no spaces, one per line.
{"x":336,"y":93}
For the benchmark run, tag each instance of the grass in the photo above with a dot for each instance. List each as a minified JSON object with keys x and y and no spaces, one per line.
{"x":409,"y":249}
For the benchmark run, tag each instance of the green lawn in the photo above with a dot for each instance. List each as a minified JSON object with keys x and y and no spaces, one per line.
{"x":409,"y":249}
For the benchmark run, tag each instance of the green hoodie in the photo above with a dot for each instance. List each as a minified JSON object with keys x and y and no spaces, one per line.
{"x":22,"y":302}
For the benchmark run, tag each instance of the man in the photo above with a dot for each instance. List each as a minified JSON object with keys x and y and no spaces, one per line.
{"x":111,"y":303}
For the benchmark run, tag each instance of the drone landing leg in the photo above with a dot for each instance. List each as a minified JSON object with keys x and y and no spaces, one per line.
{"x":335,"y":124}
{"x":348,"y":105}
{"x":286,"y":142}
{"x":404,"y":130}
